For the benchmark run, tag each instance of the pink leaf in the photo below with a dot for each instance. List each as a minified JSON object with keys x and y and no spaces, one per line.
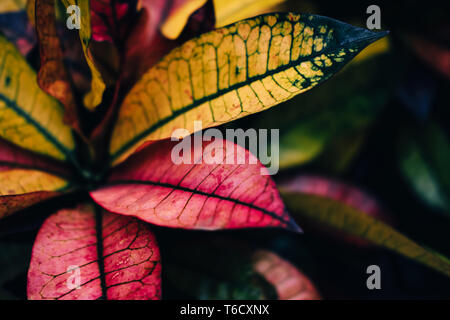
{"x":288,"y":281}
{"x":340,"y":192}
{"x":195,"y":196}
{"x":335,"y":190}
{"x":65,"y":262}
{"x":12,"y":156}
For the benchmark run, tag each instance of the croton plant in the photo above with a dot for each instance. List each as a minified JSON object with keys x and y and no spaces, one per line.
{"x":96,"y":114}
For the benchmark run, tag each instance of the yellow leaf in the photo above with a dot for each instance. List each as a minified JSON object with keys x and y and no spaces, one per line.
{"x":12,"y":5}
{"x":93,"y":98}
{"x":232,"y":72}
{"x":178,"y":17}
{"x":340,"y":216}
{"x":372,"y":50}
{"x":21,"y":181}
{"x":29,"y":117}
{"x":230,"y":11}
{"x":21,"y":188}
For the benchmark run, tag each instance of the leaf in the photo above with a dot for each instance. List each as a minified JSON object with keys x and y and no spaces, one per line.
{"x":342,"y":193}
{"x":10,"y":204}
{"x":232,"y":271}
{"x":177,"y":18}
{"x":231,"y":11}
{"x":207,"y":77}
{"x":15,"y":27}
{"x":107,"y":15}
{"x":145,"y":37}
{"x":12,"y":5}
{"x":436,"y":56}
{"x":94,"y":97}
{"x":53,"y":77}
{"x":30,"y":118}
{"x":179,"y":24}
{"x":129,"y":267}
{"x":423,"y":155}
{"x":197,"y":195}
{"x":328,"y":124}
{"x":325,"y":210}
{"x":289,"y":282}
{"x":26,"y":179}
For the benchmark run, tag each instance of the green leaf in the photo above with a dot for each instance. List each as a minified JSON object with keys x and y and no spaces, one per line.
{"x":424,"y":155}
{"x":232,"y":72}
{"x":337,"y":215}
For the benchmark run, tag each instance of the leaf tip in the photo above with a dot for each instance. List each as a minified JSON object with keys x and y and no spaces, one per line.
{"x":291,"y":225}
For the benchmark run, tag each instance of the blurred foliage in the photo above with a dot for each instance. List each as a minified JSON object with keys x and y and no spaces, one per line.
{"x":424,"y":154}
{"x":202,"y":274}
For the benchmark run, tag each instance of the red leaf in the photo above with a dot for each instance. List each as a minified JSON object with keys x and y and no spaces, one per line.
{"x":288,"y":281}
{"x":104,"y":19}
{"x":195,"y":196}
{"x":68,"y":239}
{"x":436,"y":56}
{"x":13,"y":157}
{"x":146,"y":45}
{"x":12,"y":203}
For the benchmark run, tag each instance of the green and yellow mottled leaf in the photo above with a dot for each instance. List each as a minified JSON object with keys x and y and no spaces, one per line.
{"x":12,"y":5}
{"x":232,"y":72}
{"x":93,"y":98}
{"x":337,"y":215}
{"x":29,"y":117}
{"x":230,"y":11}
{"x":339,"y":111}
